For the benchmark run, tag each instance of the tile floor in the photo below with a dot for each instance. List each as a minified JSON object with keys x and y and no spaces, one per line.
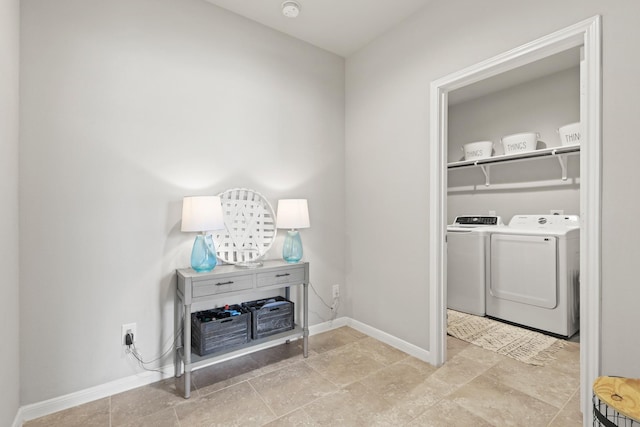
{"x":350,"y":379}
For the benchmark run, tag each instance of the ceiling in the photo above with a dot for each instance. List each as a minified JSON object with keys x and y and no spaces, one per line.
{"x":339,"y":26}
{"x":561,"y":61}
{"x":344,"y":26}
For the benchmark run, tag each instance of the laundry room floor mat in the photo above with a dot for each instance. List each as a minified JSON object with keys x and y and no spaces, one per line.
{"x":524,"y":345}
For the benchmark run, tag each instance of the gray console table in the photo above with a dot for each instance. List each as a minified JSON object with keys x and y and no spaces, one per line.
{"x":199,"y":291}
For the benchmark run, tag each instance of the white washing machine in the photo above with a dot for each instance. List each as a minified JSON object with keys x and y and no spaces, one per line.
{"x":467,"y":262}
{"x":535,"y":273}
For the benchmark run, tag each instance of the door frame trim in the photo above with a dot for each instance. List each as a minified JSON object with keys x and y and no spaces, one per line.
{"x":585,"y":34}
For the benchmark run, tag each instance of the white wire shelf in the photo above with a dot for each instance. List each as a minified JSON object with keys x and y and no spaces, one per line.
{"x":560,"y":153}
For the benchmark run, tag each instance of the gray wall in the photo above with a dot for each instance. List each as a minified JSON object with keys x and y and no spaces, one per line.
{"x":535,"y":186}
{"x":9,"y":244}
{"x":387,"y":146}
{"x":127,"y":106}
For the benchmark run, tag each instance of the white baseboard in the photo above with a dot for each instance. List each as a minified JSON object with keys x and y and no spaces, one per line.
{"x":19,"y":419}
{"x":40,"y":409}
{"x":327,"y":326}
{"x":386,"y":338}
{"x":46,"y":407}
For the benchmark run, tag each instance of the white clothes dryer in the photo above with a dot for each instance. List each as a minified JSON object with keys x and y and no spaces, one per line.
{"x":534,"y":267}
{"x":467,"y":262}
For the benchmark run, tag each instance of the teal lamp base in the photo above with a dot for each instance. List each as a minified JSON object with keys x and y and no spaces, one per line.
{"x":203,"y":255}
{"x":292,"y":248}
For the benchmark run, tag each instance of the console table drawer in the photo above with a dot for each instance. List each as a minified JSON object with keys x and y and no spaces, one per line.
{"x":220,"y":285}
{"x":292,"y":276}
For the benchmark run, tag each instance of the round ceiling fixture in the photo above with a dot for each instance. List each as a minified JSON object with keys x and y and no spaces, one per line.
{"x":290,"y":9}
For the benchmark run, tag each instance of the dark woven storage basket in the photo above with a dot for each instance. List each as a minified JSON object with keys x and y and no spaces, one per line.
{"x":270,"y":316}
{"x":219,"y":334}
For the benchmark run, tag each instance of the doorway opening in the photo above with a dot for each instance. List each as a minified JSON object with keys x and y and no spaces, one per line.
{"x":585,"y":37}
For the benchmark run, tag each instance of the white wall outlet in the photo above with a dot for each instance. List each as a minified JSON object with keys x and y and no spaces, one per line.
{"x":492,"y":212}
{"x":128,"y":327}
{"x":336,"y":291}
{"x":557,"y":212}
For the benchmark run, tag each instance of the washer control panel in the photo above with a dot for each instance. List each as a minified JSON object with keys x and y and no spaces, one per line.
{"x":545,"y":221}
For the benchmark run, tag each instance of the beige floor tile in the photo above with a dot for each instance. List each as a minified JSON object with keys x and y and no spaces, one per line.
{"x":454,"y":346}
{"x":333,"y":339}
{"x":355,"y":332}
{"x":140,"y":402}
{"x":224,"y":374}
{"x":164,"y":418}
{"x":278,"y":353}
{"x":283,"y":364}
{"x":561,"y":421}
{"x":396,"y":381}
{"x":420,"y":396}
{"x":380,"y":351}
{"x":92,"y":414}
{"x":542,"y":382}
{"x":501,"y":405}
{"x":279,"y":357}
{"x":296,"y":418}
{"x":350,"y":379}
{"x":446,"y":414}
{"x":291,"y":387}
{"x":423,"y":368}
{"x":570,"y":415}
{"x":354,"y":405}
{"x":345,"y":365}
{"x":482,"y":356}
{"x":233,"y":406}
{"x":567,"y":359}
{"x":418,"y":400}
{"x":459,"y":370}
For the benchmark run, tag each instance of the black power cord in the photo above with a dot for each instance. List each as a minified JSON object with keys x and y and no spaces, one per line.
{"x":133,"y":351}
{"x":128,"y":339}
{"x":333,"y":308}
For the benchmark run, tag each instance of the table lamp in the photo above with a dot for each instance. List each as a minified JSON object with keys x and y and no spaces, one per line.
{"x":292,"y":214}
{"x":202,"y":214}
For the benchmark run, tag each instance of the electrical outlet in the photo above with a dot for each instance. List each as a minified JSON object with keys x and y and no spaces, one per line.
{"x":557,"y":212}
{"x":336,"y":291}
{"x":126,"y":328}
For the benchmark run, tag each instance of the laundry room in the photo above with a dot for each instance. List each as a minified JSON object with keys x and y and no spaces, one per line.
{"x":514,"y":165}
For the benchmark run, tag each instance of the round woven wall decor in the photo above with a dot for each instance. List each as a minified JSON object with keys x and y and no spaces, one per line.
{"x":250,"y":227}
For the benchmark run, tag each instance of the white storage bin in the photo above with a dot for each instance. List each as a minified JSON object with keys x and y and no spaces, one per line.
{"x":477,"y":150}
{"x":520,"y":142}
{"x":570,"y":134}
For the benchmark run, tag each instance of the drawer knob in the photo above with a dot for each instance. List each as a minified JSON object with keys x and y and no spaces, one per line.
{"x":224,"y":283}
{"x":283,"y":275}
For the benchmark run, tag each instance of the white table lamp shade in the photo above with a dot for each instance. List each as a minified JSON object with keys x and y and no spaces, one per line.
{"x":293,"y":214}
{"x":202,"y":213}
